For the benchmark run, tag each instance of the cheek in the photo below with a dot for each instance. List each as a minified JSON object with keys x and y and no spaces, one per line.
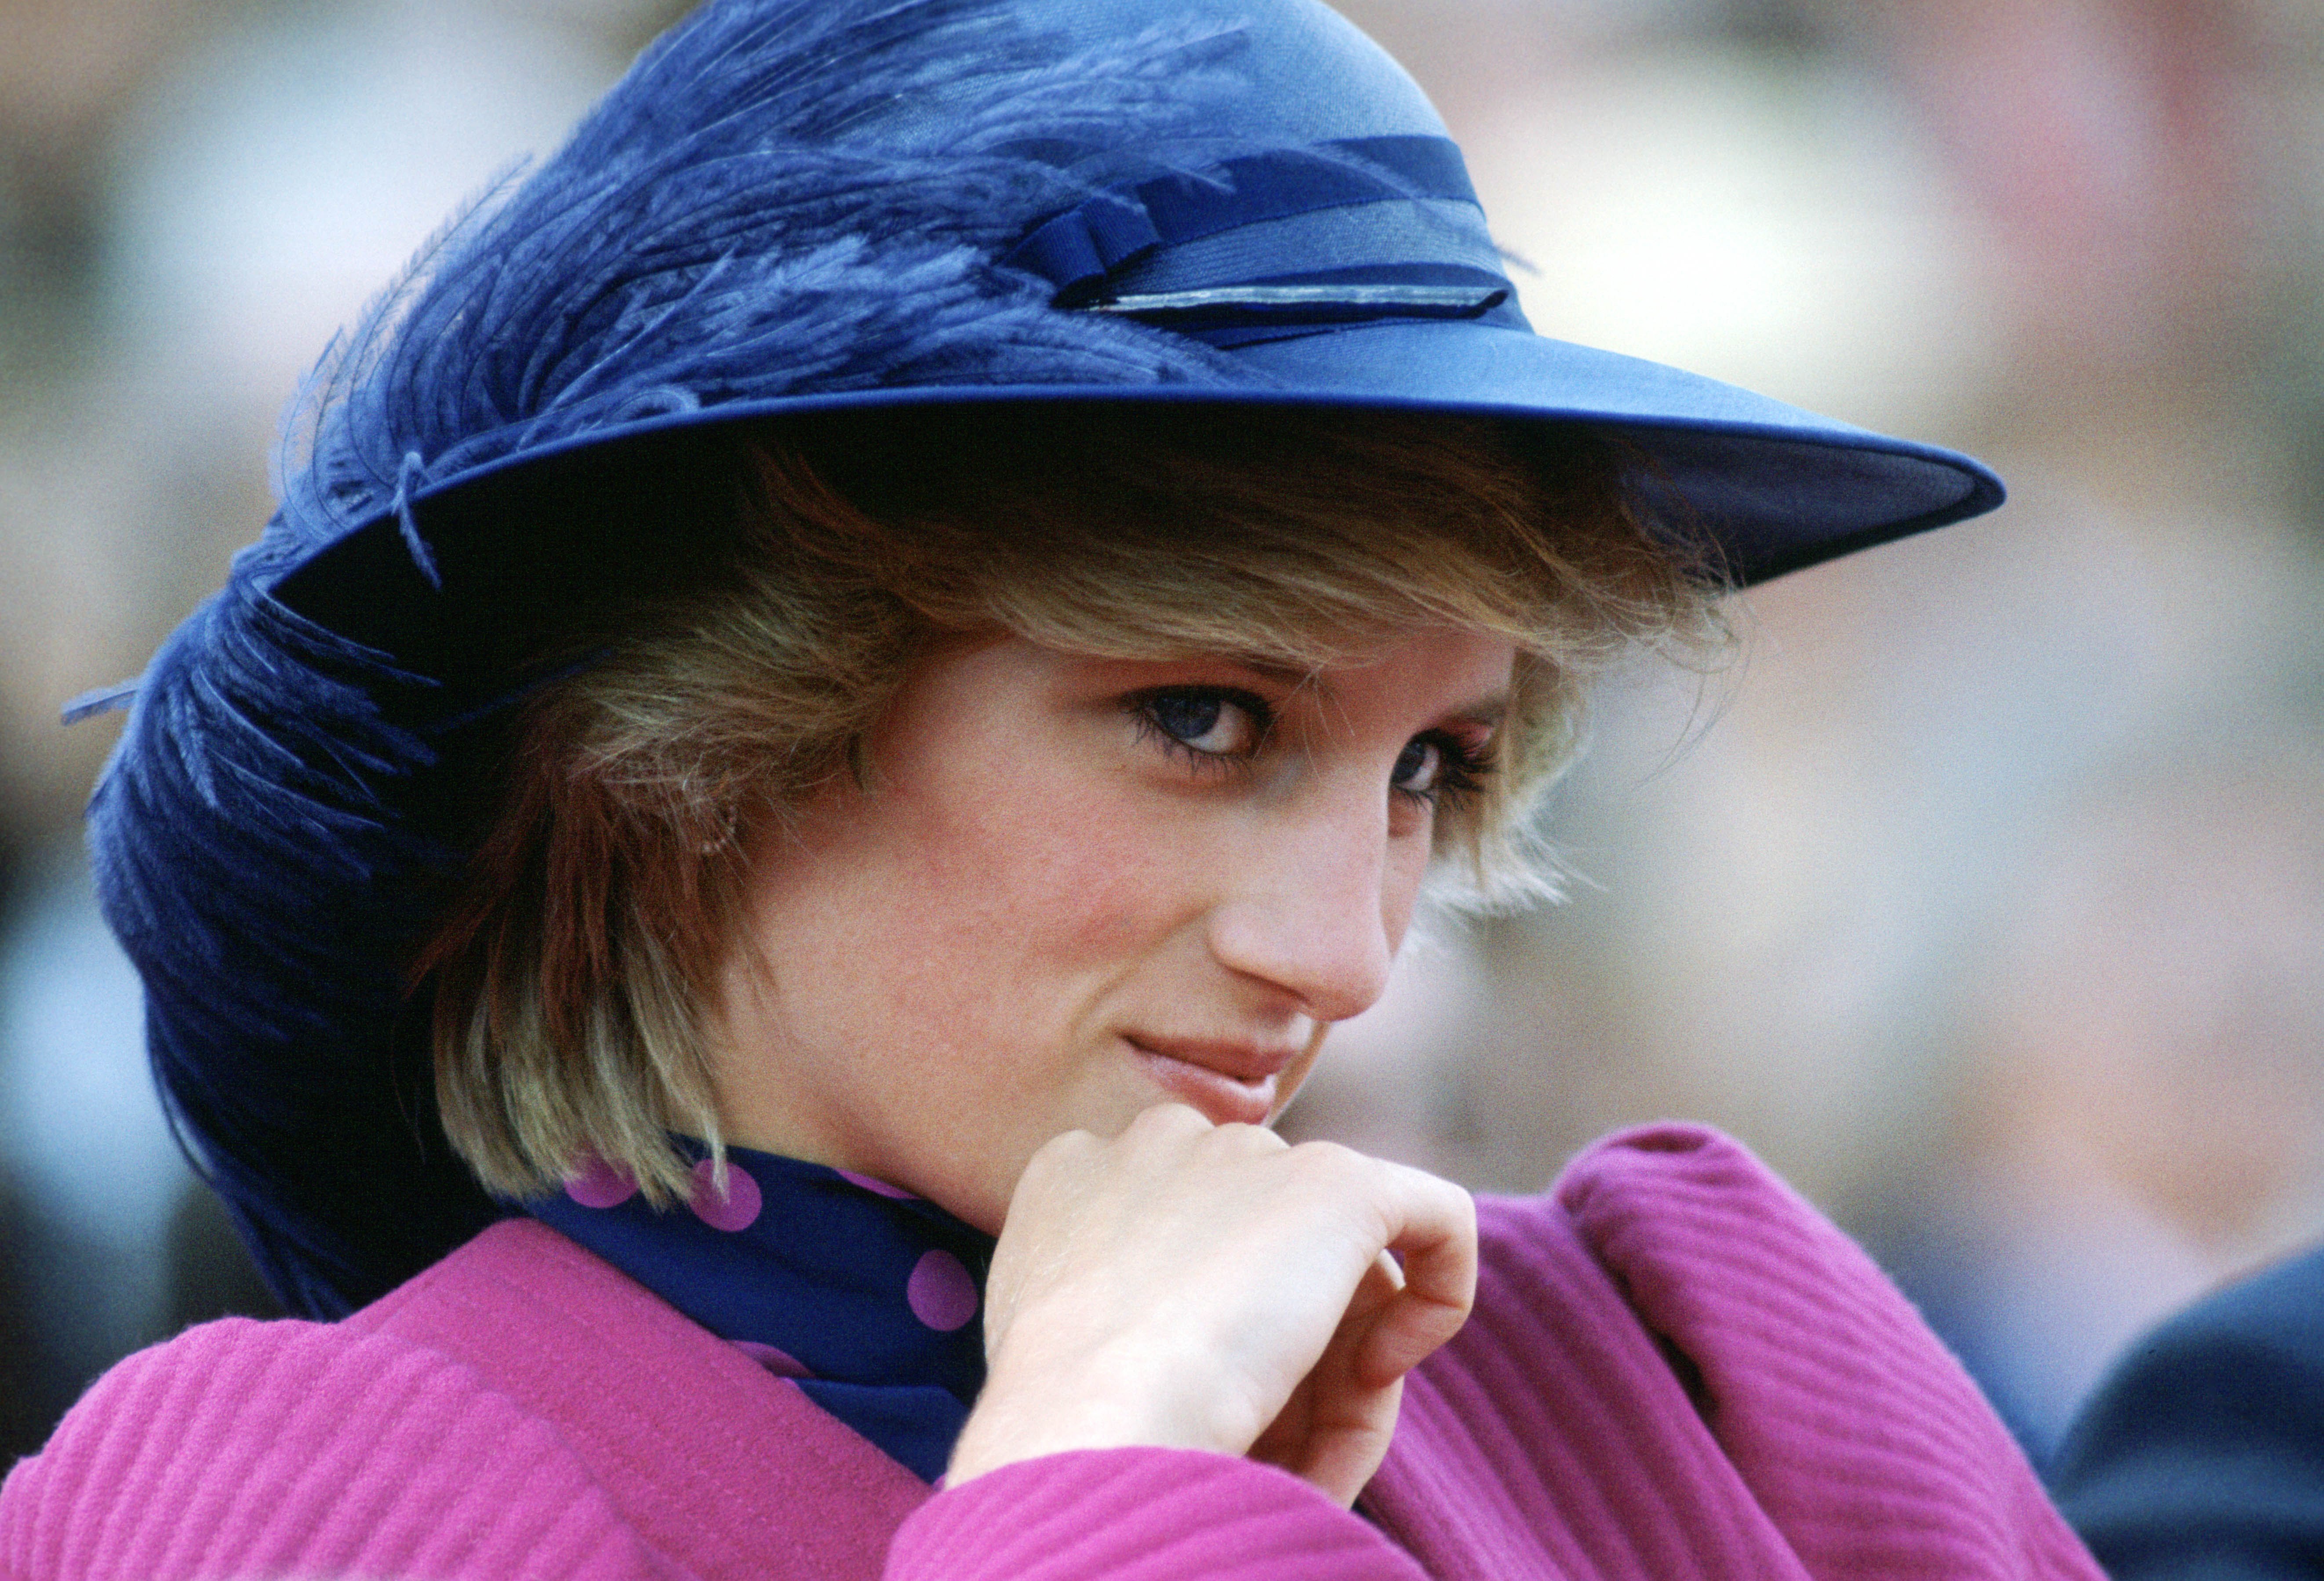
{"x":1007,"y":899}
{"x":1075,"y":870}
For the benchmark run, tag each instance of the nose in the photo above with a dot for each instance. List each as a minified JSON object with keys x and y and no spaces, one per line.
{"x":1317,"y":905}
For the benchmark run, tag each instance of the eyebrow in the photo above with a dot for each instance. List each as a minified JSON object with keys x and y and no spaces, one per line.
{"x":1287,"y":674}
{"x":1491,"y":709}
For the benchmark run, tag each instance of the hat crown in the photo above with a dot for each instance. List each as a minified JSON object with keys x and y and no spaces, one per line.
{"x":1307,"y":74}
{"x":794,"y":199}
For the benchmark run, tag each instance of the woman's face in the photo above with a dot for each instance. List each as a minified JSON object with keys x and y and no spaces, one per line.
{"x":1083,"y":886}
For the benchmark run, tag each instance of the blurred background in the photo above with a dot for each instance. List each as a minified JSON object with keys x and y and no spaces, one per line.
{"x":1982,"y":893}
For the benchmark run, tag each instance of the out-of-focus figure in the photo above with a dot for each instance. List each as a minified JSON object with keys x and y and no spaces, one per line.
{"x":2198,"y":1457}
{"x":2145,"y":1102}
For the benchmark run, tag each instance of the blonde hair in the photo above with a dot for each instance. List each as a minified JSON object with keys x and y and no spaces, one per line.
{"x":571,"y":976}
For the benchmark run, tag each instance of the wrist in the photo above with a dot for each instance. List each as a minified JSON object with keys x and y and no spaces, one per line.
{"x":1108,"y":1400}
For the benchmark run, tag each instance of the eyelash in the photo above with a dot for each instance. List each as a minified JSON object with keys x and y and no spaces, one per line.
{"x":1141,"y":710}
{"x":1462,"y":767}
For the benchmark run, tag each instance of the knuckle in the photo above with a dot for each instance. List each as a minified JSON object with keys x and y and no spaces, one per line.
{"x":1060,"y":1155}
{"x":1065,"y":1144}
{"x":1168,"y":1120}
{"x":1334,"y":1163}
{"x":1256,"y":1139}
{"x":1325,"y":1154}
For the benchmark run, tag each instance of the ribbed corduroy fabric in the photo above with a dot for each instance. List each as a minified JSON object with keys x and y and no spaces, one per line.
{"x":243,"y":1449}
{"x":1676,"y":1370}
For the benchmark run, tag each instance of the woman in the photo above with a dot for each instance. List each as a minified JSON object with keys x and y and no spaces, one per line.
{"x":848,"y":680}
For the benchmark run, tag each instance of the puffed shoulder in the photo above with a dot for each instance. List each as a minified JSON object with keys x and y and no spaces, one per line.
{"x":1678,"y":1368}
{"x":1864,"y":1439}
{"x":271,"y":1449}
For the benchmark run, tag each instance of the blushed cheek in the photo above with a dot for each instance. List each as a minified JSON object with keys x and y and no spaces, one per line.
{"x":1100,"y":879}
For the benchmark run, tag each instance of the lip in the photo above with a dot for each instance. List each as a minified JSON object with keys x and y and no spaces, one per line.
{"x":1230,"y":1084}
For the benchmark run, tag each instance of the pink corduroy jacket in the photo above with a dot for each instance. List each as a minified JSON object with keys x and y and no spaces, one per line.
{"x":1676,"y":1369}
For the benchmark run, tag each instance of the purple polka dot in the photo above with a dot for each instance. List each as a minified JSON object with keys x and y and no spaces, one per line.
{"x":738,"y":1210}
{"x":601,"y":1185}
{"x":941,"y":1293}
{"x":871,"y":1183}
{"x":782,"y":1364}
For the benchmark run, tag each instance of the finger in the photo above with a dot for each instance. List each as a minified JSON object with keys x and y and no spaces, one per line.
{"x":1436,"y":1239}
{"x":1382,"y":1282}
{"x":1172,"y":1119}
{"x":1057,"y":1159}
{"x":1345,"y":1451}
{"x":1333,"y":1432}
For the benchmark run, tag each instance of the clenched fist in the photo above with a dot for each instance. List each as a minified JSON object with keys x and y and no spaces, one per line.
{"x":1206,"y":1286}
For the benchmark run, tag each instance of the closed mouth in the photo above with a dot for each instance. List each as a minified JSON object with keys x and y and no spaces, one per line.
{"x":1248,"y":1063}
{"x":1229,"y":1084}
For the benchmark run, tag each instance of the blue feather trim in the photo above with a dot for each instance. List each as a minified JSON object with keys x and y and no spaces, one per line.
{"x":257,"y":854}
{"x":779,"y":199}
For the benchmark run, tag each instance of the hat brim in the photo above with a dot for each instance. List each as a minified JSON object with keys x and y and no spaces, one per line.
{"x":1769,"y":488}
{"x":1773,"y":488}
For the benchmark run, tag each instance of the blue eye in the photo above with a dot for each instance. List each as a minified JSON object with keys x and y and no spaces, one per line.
{"x":1187,"y":716}
{"x":1204,"y":722}
{"x":1439,"y":768}
{"x":1418,"y":765}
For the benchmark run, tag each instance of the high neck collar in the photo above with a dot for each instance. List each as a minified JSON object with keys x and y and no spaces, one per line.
{"x":864,"y":1294}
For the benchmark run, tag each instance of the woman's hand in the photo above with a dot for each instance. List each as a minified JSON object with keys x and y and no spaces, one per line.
{"x":1215,"y":1288}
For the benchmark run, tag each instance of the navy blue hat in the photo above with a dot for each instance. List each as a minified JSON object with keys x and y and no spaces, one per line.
{"x":787,"y":207}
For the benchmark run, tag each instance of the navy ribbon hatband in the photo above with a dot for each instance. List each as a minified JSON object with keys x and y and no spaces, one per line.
{"x":1236,"y":253}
